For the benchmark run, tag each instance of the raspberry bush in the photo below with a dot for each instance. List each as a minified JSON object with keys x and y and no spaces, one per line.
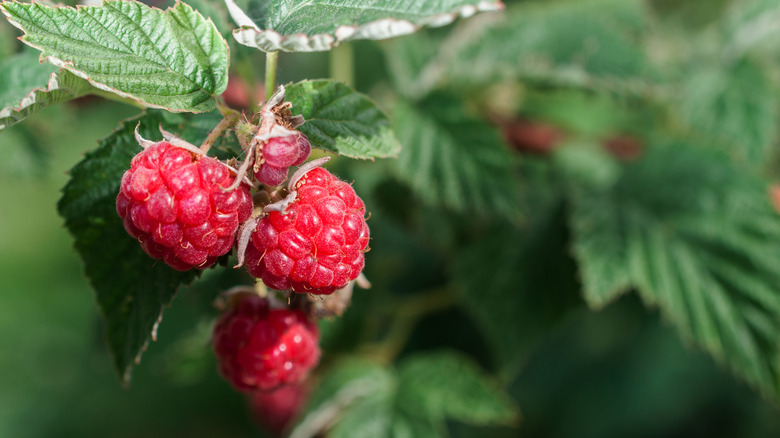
{"x":408,"y":247}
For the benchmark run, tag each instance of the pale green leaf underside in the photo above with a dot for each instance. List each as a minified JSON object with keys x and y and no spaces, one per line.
{"x":27,"y":86}
{"x":319,"y":25}
{"x":173,"y":59}
{"x":697,"y":238}
{"x":751,"y":25}
{"x":340,"y":120}
{"x":583,"y":44}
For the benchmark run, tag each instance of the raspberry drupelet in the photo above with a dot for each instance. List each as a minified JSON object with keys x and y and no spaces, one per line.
{"x":317,"y":244}
{"x":172,"y":201}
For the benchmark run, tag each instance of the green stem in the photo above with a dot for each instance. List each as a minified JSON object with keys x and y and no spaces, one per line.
{"x":342,"y":64}
{"x":405,"y":317}
{"x":230,"y":119}
{"x":270,"y":74}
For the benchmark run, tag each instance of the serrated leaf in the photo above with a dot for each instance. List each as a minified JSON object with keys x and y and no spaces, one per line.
{"x":517,"y":282}
{"x":27,"y":86}
{"x":173,"y":59}
{"x":693,"y":235}
{"x":440,"y":385}
{"x":131,"y":287}
{"x":341,"y":120}
{"x":359,"y":398}
{"x":353,"y":385}
{"x":585,"y":44}
{"x":215,"y":11}
{"x":733,"y":108}
{"x":316,"y":25}
{"x":453,"y":159}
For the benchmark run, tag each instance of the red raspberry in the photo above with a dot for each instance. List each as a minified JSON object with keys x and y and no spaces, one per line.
{"x":172,"y":202}
{"x":271,"y":175}
{"x":317,"y":245}
{"x":279,"y":153}
{"x":304,"y":149}
{"x":276,"y":410}
{"x":262,"y":348}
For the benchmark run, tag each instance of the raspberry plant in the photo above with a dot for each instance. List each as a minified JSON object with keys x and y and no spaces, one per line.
{"x":507,"y":171}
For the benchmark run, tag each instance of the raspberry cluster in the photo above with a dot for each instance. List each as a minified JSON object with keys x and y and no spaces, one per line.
{"x":260,"y":348}
{"x":172,"y":201}
{"x":316,"y":245}
{"x":279,"y":153}
{"x":186,"y":208}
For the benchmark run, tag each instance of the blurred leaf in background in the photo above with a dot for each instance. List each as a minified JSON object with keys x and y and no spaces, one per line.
{"x":648,"y":201}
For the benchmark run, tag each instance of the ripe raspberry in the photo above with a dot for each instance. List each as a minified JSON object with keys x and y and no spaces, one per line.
{"x":172,"y":202}
{"x":276,"y":410}
{"x":317,"y":245}
{"x":262,"y":348}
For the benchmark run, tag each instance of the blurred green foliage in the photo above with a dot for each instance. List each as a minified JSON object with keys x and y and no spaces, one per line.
{"x":613,"y":81}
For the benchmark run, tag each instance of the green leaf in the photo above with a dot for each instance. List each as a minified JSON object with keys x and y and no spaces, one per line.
{"x":215,"y":11}
{"x":27,"y":86}
{"x":410,"y":426}
{"x":733,"y":108}
{"x":132,"y":288}
{"x":449,"y":385}
{"x":453,"y":159}
{"x":316,"y":25}
{"x":341,"y":120}
{"x":693,"y":235}
{"x":360,"y":398}
{"x":517,"y":282}
{"x":751,"y":25}
{"x":173,"y":59}
{"x":591,"y":44}
{"x":356,"y":391}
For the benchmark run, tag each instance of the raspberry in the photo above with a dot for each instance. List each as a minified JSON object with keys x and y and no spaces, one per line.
{"x":172,"y":202}
{"x":262,"y":348}
{"x":279,"y":153}
{"x":271,"y":175}
{"x":317,"y":245}
{"x":304,"y":150}
{"x":276,"y":410}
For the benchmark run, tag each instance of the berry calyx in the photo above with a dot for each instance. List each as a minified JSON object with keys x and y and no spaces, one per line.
{"x":172,"y":201}
{"x":316,"y":244}
{"x":259,"y":348}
